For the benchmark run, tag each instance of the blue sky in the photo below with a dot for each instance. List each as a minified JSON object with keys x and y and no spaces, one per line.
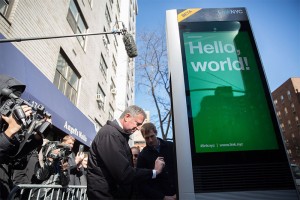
{"x":275,"y":24}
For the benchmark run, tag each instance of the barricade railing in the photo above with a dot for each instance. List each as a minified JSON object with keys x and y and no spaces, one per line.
{"x":48,"y":192}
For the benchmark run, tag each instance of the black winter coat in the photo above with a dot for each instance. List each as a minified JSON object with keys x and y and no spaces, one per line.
{"x":165,"y":183}
{"x":110,"y":172}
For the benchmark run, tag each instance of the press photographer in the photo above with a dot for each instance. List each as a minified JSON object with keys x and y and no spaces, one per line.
{"x":62,"y":154}
{"x":21,"y":130}
{"x":52,"y":168}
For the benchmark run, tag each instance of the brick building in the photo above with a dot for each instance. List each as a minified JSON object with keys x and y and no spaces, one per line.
{"x":287,"y":104}
{"x":83,"y":81}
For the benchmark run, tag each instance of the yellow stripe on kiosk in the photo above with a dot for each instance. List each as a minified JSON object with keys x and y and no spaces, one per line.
{"x":187,"y":13}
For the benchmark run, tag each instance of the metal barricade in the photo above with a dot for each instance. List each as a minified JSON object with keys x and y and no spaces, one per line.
{"x":48,"y":192}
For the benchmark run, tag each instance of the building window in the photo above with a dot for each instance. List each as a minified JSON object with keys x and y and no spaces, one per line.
{"x":116,"y":43}
{"x":107,"y":16}
{"x":289,"y":153}
{"x":114,"y":64}
{"x":118,"y":6}
{"x":103,"y":66}
{"x":282,"y":127}
{"x":90,"y":2}
{"x":287,"y":143}
{"x":117,"y":23}
{"x":279,"y":114}
{"x":105,"y":43}
{"x":112,"y":85}
{"x":275,"y":102}
{"x":66,"y":79}
{"x":288,"y":94}
{"x":286,"y":111}
{"x":100,"y":98}
{"x":106,"y":36}
{"x":98,"y":125}
{"x":4,"y":4}
{"x":113,"y":90}
{"x":105,"y":40}
{"x":127,"y":100}
{"x":290,"y":126}
{"x":77,"y":22}
{"x":297,"y":120}
{"x":110,"y":113}
{"x":293,"y":107}
{"x":282,"y":99}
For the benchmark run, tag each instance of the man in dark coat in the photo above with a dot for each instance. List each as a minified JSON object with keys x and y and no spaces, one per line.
{"x":110,"y":172}
{"x":165,"y":185}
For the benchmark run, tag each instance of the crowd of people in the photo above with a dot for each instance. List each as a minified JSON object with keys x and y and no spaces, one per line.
{"x":110,"y":170}
{"x":26,"y":157}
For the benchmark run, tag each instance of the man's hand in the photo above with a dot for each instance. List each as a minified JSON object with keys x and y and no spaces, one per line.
{"x":64,"y":165}
{"x":13,"y":125}
{"x":79,"y":158}
{"x":159,"y":164}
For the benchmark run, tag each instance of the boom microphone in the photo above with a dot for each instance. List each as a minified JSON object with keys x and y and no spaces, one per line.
{"x":130,"y":45}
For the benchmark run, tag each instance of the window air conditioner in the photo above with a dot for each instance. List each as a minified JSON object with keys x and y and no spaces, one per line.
{"x":99,"y":98}
{"x":113,"y":91}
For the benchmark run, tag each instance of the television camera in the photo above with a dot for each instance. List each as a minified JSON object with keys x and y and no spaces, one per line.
{"x":64,"y":152}
{"x":35,"y":123}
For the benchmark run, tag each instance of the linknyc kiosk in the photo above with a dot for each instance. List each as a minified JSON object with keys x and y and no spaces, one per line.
{"x":228,"y":141}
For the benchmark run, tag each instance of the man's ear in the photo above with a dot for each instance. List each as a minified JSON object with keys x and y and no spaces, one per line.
{"x":126,"y":117}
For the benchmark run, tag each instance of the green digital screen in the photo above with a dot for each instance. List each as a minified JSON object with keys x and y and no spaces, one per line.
{"x":227,"y":102}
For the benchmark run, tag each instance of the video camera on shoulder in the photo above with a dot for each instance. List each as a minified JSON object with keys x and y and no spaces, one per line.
{"x":34,"y":123}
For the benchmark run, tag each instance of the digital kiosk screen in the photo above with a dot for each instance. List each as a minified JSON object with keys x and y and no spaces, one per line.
{"x":227,"y":105}
{"x":235,"y":139}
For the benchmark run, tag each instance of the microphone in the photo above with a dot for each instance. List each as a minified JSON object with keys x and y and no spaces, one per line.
{"x":9,"y":93}
{"x":130,"y":45}
{"x":17,"y":110}
{"x":19,"y":114}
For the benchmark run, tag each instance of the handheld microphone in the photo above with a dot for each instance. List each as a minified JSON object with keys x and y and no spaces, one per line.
{"x":19,"y":114}
{"x":130,"y":45}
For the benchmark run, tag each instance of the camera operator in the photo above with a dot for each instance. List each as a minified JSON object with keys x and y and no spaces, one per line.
{"x":10,"y":126}
{"x":8,"y":147}
{"x":52,"y":168}
{"x":75,"y":171}
{"x":15,"y":143}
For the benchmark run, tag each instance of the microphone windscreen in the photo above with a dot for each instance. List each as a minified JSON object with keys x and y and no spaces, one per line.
{"x":130,"y":45}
